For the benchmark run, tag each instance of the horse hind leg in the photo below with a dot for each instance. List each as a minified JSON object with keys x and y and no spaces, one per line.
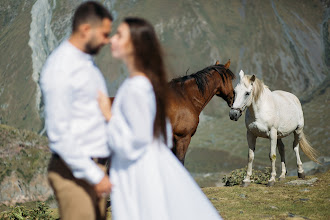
{"x":297,"y":136}
{"x":281,"y":150}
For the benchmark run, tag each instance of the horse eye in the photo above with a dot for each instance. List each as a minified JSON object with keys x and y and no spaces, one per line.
{"x":247,"y":93}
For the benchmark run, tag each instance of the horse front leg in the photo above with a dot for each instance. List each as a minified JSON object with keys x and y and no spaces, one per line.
{"x":281,"y":150}
{"x":181,"y":146}
{"x":251,"y":138}
{"x":272,"y":155}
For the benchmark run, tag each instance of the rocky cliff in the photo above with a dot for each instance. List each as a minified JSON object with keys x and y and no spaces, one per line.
{"x":24,"y":157}
{"x":285,"y":43}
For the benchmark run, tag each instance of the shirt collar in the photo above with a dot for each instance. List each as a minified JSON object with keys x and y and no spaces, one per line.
{"x":78,"y":52}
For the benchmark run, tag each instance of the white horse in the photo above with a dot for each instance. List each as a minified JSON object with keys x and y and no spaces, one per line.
{"x":271,"y":115}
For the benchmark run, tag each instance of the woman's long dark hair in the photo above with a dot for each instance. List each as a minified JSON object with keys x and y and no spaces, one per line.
{"x":148,"y":58}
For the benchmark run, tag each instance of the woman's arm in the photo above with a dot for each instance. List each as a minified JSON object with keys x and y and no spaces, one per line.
{"x":130,"y":130}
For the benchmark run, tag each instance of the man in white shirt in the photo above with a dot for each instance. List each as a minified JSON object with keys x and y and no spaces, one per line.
{"x":75,"y":126}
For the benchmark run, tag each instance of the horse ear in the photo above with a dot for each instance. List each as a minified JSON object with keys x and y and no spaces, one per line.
{"x":253,"y":78}
{"x":227,"y":64}
{"x":241,"y":74}
{"x":217,"y":63}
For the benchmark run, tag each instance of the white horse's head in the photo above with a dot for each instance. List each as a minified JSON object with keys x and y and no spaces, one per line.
{"x":243,"y":96}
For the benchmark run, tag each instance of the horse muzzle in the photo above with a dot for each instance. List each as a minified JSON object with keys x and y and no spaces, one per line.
{"x":234,"y":114}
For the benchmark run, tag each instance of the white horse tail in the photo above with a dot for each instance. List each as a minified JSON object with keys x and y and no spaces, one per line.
{"x":305,"y":146}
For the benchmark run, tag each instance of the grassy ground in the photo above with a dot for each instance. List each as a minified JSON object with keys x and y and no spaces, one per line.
{"x":282,"y":201}
{"x":257,"y":201}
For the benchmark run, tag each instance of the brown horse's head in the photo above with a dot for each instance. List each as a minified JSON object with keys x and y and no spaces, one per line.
{"x":225,"y":89}
{"x":204,"y":84}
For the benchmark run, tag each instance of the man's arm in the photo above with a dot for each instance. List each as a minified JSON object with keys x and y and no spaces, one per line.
{"x":58,"y":99}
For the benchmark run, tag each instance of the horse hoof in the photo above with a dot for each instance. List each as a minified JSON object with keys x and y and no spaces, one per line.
{"x":301,"y":175}
{"x":271,"y":183}
{"x":281,"y":179}
{"x":245,"y":184}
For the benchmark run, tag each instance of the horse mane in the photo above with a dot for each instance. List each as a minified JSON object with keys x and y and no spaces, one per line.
{"x":258,"y":87}
{"x":201,"y":76}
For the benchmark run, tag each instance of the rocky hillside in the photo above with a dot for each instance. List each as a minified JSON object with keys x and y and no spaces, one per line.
{"x":285,"y":43}
{"x":24,"y":157}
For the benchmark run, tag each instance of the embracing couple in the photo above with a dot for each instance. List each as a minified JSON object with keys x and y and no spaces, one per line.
{"x":146,"y":181}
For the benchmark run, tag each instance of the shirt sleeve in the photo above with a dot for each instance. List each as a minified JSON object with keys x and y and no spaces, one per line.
{"x":130,"y":129}
{"x":58,"y":99}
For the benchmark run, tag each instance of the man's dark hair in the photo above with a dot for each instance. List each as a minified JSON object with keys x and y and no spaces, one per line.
{"x":89,"y":12}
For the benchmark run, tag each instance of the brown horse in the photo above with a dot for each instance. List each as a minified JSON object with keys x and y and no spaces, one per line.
{"x":189,"y":95}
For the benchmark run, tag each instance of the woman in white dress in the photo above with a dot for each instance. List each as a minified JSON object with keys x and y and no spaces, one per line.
{"x":148,"y":182}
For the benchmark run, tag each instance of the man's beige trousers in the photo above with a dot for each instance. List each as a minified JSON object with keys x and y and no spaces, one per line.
{"x":76,"y":198}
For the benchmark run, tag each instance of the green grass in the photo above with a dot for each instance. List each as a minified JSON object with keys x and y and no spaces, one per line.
{"x":278,"y":202}
{"x":40,"y":211}
{"x":256,"y":201}
{"x":237,"y":176}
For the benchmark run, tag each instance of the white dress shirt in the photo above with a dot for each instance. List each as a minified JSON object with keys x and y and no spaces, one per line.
{"x":75,"y":125}
{"x":148,"y":181}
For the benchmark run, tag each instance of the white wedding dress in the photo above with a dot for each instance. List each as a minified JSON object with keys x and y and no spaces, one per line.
{"x":149,"y":182}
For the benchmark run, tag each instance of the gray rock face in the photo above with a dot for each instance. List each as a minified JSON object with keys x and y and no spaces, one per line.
{"x":302,"y":182}
{"x":15,"y":190}
{"x":24,"y":157}
{"x":284,"y":43}
{"x":311,"y":168}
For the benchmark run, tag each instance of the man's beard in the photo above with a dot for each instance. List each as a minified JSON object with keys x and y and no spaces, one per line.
{"x":92,"y":49}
